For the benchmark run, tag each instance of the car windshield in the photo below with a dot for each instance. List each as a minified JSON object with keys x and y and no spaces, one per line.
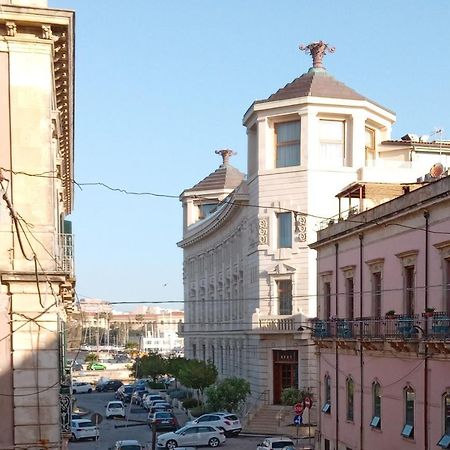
{"x":86,"y":424}
{"x":281,"y":444}
{"x":163,"y":415}
{"x":232,"y":417}
{"x":115,"y":405}
{"x":128,"y":389}
{"x":130,"y":447}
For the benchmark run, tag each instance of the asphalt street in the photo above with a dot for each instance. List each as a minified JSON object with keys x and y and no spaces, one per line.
{"x":112,"y":430}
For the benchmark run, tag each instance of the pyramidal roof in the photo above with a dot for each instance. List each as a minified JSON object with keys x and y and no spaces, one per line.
{"x":315,"y":83}
{"x":225,"y":177}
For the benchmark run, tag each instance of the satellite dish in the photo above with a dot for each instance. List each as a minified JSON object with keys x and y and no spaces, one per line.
{"x":437,"y":170}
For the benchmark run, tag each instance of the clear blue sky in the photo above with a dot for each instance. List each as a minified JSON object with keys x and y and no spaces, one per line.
{"x":160,"y":85}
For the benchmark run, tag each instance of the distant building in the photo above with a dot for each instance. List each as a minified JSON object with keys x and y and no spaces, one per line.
{"x":36,"y":245}
{"x":249,"y":275}
{"x":383,"y":326}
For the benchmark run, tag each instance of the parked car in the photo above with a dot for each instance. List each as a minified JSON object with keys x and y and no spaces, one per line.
{"x":96,"y":366}
{"x":194,"y":435}
{"x":83,"y":429}
{"x":115,"y":409}
{"x":153,"y":403}
{"x":272,"y":443}
{"x":229,"y":423}
{"x":125,"y":393}
{"x":80,"y":387}
{"x":163,"y":420}
{"x":161,"y":407}
{"x":129,"y":444}
{"x":136,"y":398}
{"x":149,"y":398}
{"x":108,"y":385}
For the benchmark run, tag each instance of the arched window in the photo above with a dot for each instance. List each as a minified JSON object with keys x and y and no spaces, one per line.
{"x":326,"y":408}
{"x":376,"y":405}
{"x":409,"y":402}
{"x":444,"y":442}
{"x":350,"y":385}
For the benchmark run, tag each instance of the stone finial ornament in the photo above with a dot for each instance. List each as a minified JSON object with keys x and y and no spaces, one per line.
{"x":11,"y":29}
{"x":226,"y":153}
{"x":47,"y":32}
{"x":317,"y":50}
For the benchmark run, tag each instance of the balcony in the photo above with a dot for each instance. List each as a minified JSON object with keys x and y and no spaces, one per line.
{"x":65,"y":258}
{"x":434,"y":327}
{"x":277,"y":324}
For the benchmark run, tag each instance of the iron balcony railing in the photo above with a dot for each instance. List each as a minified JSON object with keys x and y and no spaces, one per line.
{"x":397,"y":326}
{"x":65,"y":258}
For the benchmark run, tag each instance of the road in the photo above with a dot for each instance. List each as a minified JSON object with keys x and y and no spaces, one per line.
{"x":109,"y":434}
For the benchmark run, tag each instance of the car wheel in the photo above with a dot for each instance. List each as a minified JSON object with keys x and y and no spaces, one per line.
{"x":171,"y":444}
{"x":74,"y":391}
{"x":73,"y":437}
{"x":89,"y":391}
{"x":214,"y":442}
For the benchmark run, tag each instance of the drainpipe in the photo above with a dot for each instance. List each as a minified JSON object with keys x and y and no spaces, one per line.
{"x":361,"y":358}
{"x":426,"y":214}
{"x":336,"y":354}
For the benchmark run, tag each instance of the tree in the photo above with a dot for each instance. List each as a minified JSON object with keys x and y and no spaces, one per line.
{"x":152,"y":365}
{"x":197,"y":374}
{"x":228,"y":394}
{"x":291,"y":396}
{"x":91,"y":357}
{"x":174,"y":366}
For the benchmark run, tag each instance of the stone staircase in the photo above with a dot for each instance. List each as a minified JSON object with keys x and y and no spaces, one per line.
{"x":275,"y":420}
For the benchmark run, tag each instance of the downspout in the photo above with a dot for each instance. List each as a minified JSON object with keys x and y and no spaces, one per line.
{"x":336,"y":347}
{"x":426,"y":214}
{"x":361,"y":358}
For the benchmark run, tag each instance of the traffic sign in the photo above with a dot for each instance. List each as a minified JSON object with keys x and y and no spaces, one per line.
{"x":298,"y":408}
{"x":298,"y":420}
{"x":307,"y":402}
{"x":96,"y":418}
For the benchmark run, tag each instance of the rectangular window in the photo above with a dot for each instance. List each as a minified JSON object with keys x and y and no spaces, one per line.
{"x":349,"y":288}
{"x":376,"y":294}
{"x":284,"y":297}
{"x":288,"y":144}
{"x":326,"y":408}
{"x":408,"y":429}
{"x":370,"y":146}
{"x":284,"y":230}
{"x":326,"y":300}
{"x":326,"y":444}
{"x":332,"y":142}
{"x":350,"y":399}
{"x":206,"y":209}
{"x":194,"y":351}
{"x":409,"y":289}
{"x":376,"y":406}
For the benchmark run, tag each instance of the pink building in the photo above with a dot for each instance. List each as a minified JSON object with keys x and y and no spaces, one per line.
{"x":383,"y":331}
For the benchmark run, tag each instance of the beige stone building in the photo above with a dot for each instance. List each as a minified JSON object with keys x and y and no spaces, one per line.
{"x":36,"y":264}
{"x":249,"y":275}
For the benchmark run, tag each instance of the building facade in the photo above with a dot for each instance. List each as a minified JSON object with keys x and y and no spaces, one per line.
{"x":249,"y":275}
{"x":384,"y":355}
{"x":36,"y":245}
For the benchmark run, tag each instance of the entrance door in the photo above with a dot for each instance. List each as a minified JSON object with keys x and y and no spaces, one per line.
{"x":285,"y":372}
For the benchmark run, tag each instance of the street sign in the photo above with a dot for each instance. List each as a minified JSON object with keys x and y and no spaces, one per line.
{"x":96,"y":418}
{"x":307,"y":402}
{"x":298,"y":420}
{"x":298,"y":408}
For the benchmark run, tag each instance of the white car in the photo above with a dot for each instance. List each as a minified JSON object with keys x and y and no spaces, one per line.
{"x":128,"y":444}
{"x":229,"y":423}
{"x":79,"y":387}
{"x":149,"y":398}
{"x":115,"y":409}
{"x":194,"y":435}
{"x":274,"y":443}
{"x":83,"y":429}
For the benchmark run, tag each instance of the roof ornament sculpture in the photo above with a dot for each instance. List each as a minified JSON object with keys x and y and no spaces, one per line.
{"x":226,"y":153}
{"x":317,"y":50}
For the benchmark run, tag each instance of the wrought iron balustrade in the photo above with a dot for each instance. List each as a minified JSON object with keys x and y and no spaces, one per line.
{"x":276,"y":323}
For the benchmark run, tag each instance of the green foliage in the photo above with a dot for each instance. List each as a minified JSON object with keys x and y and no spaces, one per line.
{"x":228,"y":394}
{"x":199,"y":410}
{"x":291,"y":396}
{"x":197,"y":374}
{"x":157,"y":385}
{"x":131,"y":345}
{"x":174,"y":365}
{"x":190,"y":403}
{"x":179,"y":394}
{"x":91,"y":357}
{"x":152,"y":365}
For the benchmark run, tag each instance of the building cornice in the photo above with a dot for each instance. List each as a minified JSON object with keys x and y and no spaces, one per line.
{"x":20,"y":25}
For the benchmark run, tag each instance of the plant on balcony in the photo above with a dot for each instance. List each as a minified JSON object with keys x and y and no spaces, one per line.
{"x":390,"y":314}
{"x":429,"y":312}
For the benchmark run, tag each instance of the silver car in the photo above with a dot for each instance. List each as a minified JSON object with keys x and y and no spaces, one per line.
{"x":194,"y":435}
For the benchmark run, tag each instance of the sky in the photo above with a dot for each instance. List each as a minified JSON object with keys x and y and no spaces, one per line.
{"x":160,"y":85}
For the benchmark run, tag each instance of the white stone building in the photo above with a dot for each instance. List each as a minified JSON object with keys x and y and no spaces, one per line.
{"x":249,"y":276}
{"x":36,"y":258}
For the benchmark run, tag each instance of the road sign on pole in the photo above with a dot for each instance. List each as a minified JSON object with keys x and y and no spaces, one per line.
{"x":307,"y":402}
{"x":298,"y":408}
{"x":298,"y":420}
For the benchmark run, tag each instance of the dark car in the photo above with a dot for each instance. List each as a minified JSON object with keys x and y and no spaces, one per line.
{"x":163,"y":420}
{"x":110,"y":385}
{"x":138,"y":393}
{"x":125,"y":393}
